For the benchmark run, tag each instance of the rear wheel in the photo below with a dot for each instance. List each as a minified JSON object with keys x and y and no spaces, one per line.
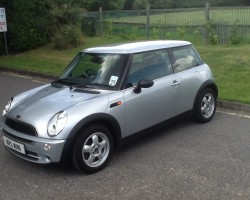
{"x":206,"y":106}
{"x":93,"y":148}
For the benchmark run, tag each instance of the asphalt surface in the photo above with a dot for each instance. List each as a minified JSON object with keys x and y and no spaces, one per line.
{"x":185,"y":160}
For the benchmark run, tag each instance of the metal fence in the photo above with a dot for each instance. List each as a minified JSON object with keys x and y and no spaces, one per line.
{"x":199,"y":25}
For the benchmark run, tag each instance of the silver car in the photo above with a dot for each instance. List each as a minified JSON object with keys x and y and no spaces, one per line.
{"x":105,"y":95}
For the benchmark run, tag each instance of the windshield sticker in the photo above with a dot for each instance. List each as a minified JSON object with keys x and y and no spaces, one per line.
{"x":113,"y":80}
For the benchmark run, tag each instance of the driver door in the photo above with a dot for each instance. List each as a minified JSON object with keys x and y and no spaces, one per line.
{"x":157,"y":103}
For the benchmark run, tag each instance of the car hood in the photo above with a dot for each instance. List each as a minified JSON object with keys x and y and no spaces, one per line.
{"x":48,"y":101}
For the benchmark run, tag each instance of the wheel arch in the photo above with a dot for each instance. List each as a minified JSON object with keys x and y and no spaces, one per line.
{"x":100,"y":118}
{"x":207,"y":84}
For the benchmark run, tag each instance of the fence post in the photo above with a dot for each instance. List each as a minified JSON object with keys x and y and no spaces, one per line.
{"x":100,"y":19}
{"x":148,"y":22}
{"x":207,"y":19}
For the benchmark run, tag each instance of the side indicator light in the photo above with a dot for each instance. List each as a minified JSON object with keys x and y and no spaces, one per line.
{"x":115,"y":104}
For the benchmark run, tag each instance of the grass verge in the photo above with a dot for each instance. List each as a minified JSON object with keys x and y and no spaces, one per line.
{"x":47,"y":60}
{"x":230,"y":64}
{"x":231,"y":69}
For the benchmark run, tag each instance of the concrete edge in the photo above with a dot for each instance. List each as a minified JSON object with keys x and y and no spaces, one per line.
{"x":234,"y":106}
{"x":28,"y":73}
{"x":221,"y":103}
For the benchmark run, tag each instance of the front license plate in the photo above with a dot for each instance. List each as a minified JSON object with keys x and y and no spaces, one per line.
{"x":14,"y":145}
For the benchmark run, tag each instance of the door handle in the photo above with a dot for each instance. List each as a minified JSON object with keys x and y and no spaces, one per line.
{"x":175,"y":83}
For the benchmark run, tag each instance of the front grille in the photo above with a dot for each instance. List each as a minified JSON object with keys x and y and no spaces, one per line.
{"x":21,"y":127}
{"x":15,"y":138}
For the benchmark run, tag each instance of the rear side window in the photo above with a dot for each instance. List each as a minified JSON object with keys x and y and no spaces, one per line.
{"x":151,"y":65}
{"x":184,"y":58}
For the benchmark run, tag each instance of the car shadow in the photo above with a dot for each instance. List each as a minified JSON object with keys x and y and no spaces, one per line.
{"x":147,"y":137}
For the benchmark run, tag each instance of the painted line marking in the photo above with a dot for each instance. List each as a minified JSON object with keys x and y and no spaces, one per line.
{"x":36,"y":81}
{"x":27,"y":77}
{"x":234,"y":114}
{"x":20,"y":76}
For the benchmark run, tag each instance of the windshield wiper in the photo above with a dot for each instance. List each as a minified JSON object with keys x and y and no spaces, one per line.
{"x":92,"y":85}
{"x":63,"y":81}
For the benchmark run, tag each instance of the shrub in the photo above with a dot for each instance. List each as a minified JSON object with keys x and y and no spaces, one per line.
{"x":211,"y":30}
{"x":156,"y":33}
{"x":69,"y":36}
{"x":109,"y":28}
{"x":27,"y":39}
{"x":182,"y":31}
{"x":213,"y":38}
{"x":197,"y":34}
{"x":129,"y":32}
{"x":168,"y":35}
{"x":29,"y":23}
{"x":88,"y":26}
{"x":235,"y":33}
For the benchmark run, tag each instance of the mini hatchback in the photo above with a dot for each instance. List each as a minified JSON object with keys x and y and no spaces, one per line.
{"x":105,"y":95}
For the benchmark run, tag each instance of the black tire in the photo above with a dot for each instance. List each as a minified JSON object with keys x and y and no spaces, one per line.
{"x":205,"y":106}
{"x":92,"y":149}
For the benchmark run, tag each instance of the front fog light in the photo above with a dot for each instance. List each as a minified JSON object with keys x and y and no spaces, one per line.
{"x":7,"y":107}
{"x":57,"y":123}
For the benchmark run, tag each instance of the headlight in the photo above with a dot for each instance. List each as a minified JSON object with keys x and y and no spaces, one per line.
{"x":7,"y":107}
{"x":57,"y":123}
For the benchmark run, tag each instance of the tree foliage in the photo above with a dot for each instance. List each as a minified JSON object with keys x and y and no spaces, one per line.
{"x":230,"y":2}
{"x":28,"y":23}
{"x":160,"y":4}
{"x":32,"y":23}
{"x":128,"y":5}
{"x":93,"y":5}
{"x":66,"y":24}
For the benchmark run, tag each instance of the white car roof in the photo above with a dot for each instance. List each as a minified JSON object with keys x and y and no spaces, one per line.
{"x":136,"y":47}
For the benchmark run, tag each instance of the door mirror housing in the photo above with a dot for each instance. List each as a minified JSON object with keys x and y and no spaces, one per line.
{"x":144,"y":83}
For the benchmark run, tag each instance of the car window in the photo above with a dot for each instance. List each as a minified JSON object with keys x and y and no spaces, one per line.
{"x":99,"y":70}
{"x":184,"y":58}
{"x":151,"y":65}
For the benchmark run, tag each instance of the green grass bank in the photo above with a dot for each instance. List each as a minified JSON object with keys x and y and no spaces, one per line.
{"x":230,"y":64}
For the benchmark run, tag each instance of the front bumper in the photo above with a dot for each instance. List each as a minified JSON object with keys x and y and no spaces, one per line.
{"x":37,"y":150}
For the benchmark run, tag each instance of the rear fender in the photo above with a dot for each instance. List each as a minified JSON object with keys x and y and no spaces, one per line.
{"x":207,"y":84}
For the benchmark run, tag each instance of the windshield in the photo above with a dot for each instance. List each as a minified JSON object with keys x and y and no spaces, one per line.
{"x":102,"y":71}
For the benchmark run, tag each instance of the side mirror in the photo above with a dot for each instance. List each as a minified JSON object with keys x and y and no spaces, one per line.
{"x":144,"y":83}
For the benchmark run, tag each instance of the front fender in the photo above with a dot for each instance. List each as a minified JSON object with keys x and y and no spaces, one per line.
{"x":102,"y":118}
{"x":105,"y":119}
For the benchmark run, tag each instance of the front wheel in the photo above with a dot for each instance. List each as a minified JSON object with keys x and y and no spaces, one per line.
{"x":205,"y":106}
{"x":93,"y":148}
